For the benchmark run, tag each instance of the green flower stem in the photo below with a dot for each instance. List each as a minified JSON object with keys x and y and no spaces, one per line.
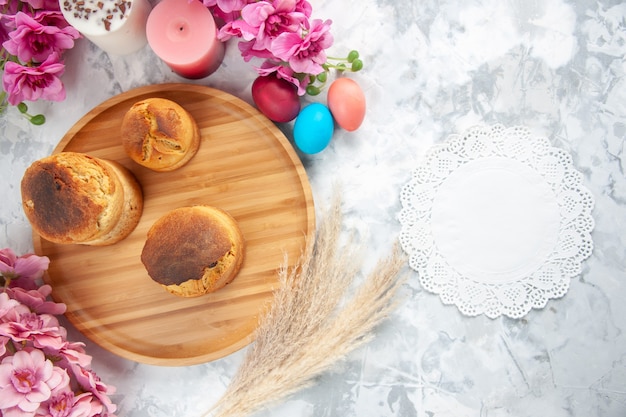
{"x":3,"y":101}
{"x":352,"y":55}
{"x":37,"y":119}
{"x":341,"y":63}
{"x":350,"y":63}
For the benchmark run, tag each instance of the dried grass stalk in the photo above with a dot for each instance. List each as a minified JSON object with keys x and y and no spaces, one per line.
{"x":310,"y":325}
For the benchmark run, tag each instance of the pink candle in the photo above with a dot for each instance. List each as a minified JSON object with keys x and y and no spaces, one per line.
{"x":184,"y":35}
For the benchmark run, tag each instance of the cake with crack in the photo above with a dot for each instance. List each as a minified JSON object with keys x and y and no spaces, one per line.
{"x":159,"y":134}
{"x":195,"y":250}
{"x":74,"y":198}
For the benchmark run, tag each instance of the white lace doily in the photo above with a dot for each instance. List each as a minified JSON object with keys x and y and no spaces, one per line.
{"x":496,"y":221}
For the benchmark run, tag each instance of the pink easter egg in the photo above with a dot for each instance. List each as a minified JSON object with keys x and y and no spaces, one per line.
{"x":346,"y":102}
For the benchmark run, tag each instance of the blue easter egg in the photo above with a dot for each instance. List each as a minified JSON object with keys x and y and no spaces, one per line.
{"x":313,"y":128}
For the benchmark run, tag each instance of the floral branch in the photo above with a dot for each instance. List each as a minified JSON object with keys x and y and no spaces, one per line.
{"x":282,"y":32}
{"x":41,"y":372}
{"x":34,"y":36}
{"x":292,"y":48}
{"x":338,"y":64}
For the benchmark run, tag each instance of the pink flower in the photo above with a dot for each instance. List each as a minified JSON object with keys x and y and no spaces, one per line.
{"x":58,"y":405}
{"x":55,"y":18}
{"x":304,"y":7}
{"x":11,"y":6}
{"x":63,"y":402}
{"x":26,"y":380}
{"x":3,"y":345}
{"x":91,"y":382}
{"x":26,"y":266}
{"x":225,"y":11}
{"x":4,"y":30}
{"x":32,"y":41}
{"x":34,"y":83}
{"x":265,"y":21}
{"x":6,"y":305}
{"x":42,"y":330}
{"x":87,"y":404}
{"x":282,"y":71}
{"x":44,"y":4}
{"x":306,"y":53}
{"x":36,"y":300}
{"x":248,"y":52}
{"x":234,"y":28}
{"x":42,"y":373}
{"x":73,"y":354}
{"x":67,"y":404}
{"x":228,"y":6}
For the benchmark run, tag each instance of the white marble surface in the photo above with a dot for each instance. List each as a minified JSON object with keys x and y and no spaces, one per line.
{"x":432,"y":68}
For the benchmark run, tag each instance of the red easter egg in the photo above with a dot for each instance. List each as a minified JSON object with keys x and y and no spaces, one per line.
{"x":276,"y":98}
{"x":346,"y":102}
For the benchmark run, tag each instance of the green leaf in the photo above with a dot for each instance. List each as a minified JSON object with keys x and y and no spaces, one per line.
{"x":38,"y":119}
{"x":353,"y":55}
{"x":357,"y":65}
{"x":312,"y":90}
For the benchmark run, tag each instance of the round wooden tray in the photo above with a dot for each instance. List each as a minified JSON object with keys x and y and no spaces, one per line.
{"x":246,"y":166}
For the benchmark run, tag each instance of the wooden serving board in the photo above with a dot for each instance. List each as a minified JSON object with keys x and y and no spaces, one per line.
{"x":246,"y":166}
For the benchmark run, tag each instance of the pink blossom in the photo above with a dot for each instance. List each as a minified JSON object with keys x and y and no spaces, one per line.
{"x":4,"y":30}
{"x":44,"y":4}
{"x":226,"y":11}
{"x":305,"y":54}
{"x":42,"y":330}
{"x":248,"y":52}
{"x":91,"y":382}
{"x":88,"y":403}
{"x":55,"y":18}
{"x":234,"y":28}
{"x":28,"y":266}
{"x":3,"y":345}
{"x":6,"y":304}
{"x":26,"y":380}
{"x":42,"y":373}
{"x":36,"y":300}
{"x":282,"y":71}
{"x":228,"y":6}
{"x":58,"y":405}
{"x":34,"y":83}
{"x":68,"y":404}
{"x":304,"y":7}
{"x":11,"y":6}
{"x":267,"y":20}
{"x":260,"y":23}
{"x":63,"y":402}
{"x":73,"y":353}
{"x":32,"y":41}
{"x":221,"y":18}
